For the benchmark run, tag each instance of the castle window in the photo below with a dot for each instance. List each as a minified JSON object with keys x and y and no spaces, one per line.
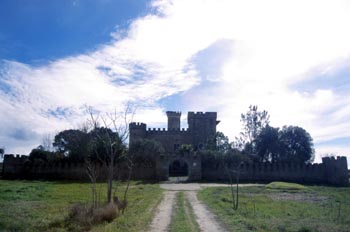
{"x":200,"y":146}
{"x":176,"y":146}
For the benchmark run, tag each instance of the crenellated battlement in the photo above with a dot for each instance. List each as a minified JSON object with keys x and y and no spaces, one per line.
{"x":332,"y":159}
{"x":201,"y":114}
{"x":11,"y":158}
{"x":173,"y":113}
{"x":162,"y":130}
{"x":137,"y":125}
{"x":331,"y":171}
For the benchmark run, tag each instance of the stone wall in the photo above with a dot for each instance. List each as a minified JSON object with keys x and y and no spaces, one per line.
{"x":19,"y":167}
{"x":192,"y":159}
{"x":332,"y":171}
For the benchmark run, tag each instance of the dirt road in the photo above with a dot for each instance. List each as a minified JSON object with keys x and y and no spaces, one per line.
{"x":205,"y":219}
{"x":162,"y":219}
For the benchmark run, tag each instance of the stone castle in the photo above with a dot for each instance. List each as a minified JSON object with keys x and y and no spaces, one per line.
{"x":201,"y":129}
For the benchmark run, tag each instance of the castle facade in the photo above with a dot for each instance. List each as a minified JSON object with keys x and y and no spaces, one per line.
{"x":201,"y":129}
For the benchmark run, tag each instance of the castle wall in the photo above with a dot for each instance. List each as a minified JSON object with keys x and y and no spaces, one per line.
{"x":202,"y":127}
{"x":192,"y":159}
{"x":19,"y":167}
{"x":168,"y":138}
{"x":331,"y":171}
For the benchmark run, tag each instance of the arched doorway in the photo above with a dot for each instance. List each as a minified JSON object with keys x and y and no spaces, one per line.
{"x":178,"y":170}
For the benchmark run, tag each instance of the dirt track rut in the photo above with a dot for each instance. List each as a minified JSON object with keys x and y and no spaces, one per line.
{"x":205,"y":219}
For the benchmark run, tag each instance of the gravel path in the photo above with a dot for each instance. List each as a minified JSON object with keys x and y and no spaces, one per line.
{"x":162,"y":219}
{"x":205,"y":219}
{"x":197,"y":186}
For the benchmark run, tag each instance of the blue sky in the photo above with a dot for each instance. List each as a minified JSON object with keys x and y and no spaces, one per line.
{"x":57,"y":57}
{"x":35,"y":32}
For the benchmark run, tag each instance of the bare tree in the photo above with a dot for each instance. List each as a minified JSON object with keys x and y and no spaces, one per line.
{"x":111,"y":140}
{"x":92,"y":170}
{"x":232,"y":173}
{"x":47,"y":142}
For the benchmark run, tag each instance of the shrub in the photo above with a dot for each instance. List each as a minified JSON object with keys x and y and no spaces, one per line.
{"x":85,"y":216}
{"x":106,"y":213}
{"x":285,"y":186}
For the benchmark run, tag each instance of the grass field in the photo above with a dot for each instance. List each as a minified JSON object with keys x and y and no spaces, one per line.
{"x":282,"y":207}
{"x":44,"y":206}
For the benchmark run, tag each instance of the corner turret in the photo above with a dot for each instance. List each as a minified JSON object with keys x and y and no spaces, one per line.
{"x":137,"y":131}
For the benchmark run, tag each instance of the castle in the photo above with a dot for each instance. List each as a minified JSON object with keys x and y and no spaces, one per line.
{"x":201,"y":129}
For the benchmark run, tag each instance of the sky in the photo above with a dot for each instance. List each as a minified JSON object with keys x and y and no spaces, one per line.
{"x":291,"y":58}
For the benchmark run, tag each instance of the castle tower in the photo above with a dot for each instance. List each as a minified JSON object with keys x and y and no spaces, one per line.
{"x":173,"y":120}
{"x":202,"y":126}
{"x":137,"y":131}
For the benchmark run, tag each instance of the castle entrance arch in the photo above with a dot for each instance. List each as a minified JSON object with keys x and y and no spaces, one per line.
{"x":178,"y":170}
{"x":179,"y":167}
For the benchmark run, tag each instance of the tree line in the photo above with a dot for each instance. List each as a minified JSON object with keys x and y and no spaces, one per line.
{"x":267,"y":143}
{"x":260,"y":142}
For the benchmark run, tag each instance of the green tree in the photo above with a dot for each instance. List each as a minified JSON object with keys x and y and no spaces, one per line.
{"x":296,"y":145}
{"x":219,"y":142}
{"x":222,"y":142}
{"x":145,"y":151}
{"x":268,"y":144}
{"x":2,"y":152}
{"x":73,"y":143}
{"x":40,"y":154}
{"x":185,"y":149}
{"x":253,"y":122}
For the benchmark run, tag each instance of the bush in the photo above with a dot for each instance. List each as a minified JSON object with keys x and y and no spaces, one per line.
{"x":86,"y":216}
{"x":285,"y":186}
{"x":106,"y":213}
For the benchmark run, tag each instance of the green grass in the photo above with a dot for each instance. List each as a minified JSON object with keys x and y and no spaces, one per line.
{"x":313,"y":208}
{"x":44,"y":206}
{"x":183,"y":219}
{"x":285,"y":186}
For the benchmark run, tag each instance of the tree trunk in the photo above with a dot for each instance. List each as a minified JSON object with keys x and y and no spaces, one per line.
{"x":110,"y":183}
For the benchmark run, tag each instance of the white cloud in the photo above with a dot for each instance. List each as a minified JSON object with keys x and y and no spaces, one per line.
{"x":274,"y":44}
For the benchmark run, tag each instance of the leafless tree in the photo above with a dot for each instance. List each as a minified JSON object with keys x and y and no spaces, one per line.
{"x":234,"y":173}
{"x":113,"y":143}
{"x":47,"y":142}
{"x":92,"y":170}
